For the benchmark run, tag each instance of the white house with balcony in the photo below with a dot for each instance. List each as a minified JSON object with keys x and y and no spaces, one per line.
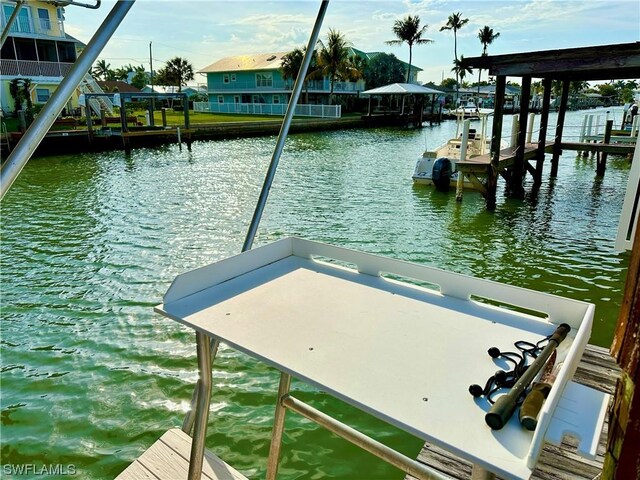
{"x":37,"y":48}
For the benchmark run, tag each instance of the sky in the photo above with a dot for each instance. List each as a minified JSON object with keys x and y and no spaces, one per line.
{"x":206,"y":31}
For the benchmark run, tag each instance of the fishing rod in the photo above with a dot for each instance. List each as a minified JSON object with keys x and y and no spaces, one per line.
{"x":503,"y":408}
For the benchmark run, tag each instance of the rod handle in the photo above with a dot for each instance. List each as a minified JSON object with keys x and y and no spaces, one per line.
{"x":560,"y":334}
{"x":501,"y":411}
{"x":532,"y":405}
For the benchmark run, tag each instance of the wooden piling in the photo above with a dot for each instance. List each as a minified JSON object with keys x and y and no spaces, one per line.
{"x":621,"y":457}
{"x":601,"y":164}
{"x":87,"y":109}
{"x":498,"y":112}
{"x":557,"y":151}
{"x":164,"y":118}
{"x":542,"y":136}
{"x":516,"y":189}
{"x":123,"y":116}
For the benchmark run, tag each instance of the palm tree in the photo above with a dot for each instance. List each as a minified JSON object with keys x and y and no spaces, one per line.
{"x":333,"y":59}
{"x":178,"y":71}
{"x":102,"y":70}
{"x":292,"y":63}
{"x":460,"y":70}
{"x":455,"y":22}
{"x":408,"y":31}
{"x":486,"y":37}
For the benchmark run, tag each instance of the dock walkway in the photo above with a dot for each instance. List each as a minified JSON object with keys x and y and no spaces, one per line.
{"x":480,"y":163}
{"x":597,"y":370}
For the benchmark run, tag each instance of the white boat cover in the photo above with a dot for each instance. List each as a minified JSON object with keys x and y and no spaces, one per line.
{"x":402,"y":89}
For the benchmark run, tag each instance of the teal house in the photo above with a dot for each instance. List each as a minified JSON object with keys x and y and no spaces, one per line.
{"x":253,"y":84}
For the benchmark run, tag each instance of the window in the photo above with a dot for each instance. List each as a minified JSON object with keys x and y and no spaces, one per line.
{"x":22,"y":23}
{"x":264,"y":79}
{"x":225,"y":78}
{"x":233,"y":77}
{"x":42,"y":95}
{"x":276,"y":99}
{"x":220,"y":99}
{"x":236,"y":99}
{"x":43,"y":16}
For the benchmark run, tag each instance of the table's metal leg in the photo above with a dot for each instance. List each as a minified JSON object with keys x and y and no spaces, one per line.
{"x":278,"y":427}
{"x":187,"y":424}
{"x":480,"y":473}
{"x":202,"y":408}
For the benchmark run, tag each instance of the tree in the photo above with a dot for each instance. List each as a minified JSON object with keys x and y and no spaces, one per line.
{"x":292,"y":63}
{"x":486,"y":37}
{"x":455,"y":22}
{"x":176,"y":72}
{"x":383,"y":69}
{"x":448,"y":83}
{"x":408,"y":31}
{"x":460,"y":71}
{"x":102,"y":70}
{"x":121,"y":73}
{"x":140,"y":79}
{"x":333,"y":59}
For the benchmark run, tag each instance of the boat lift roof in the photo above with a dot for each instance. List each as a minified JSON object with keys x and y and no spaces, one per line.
{"x":402,"y":89}
{"x":602,"y":62}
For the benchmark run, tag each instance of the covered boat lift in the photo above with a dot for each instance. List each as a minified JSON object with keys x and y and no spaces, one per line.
{"x":403,"y":90}
{"x":619,"y":61}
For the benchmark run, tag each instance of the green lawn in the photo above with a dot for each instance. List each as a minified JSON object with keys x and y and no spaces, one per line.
{"x":177,"y":118}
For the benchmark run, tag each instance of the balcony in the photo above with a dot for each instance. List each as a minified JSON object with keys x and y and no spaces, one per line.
{"x":42,"y":26}
{"x":280,"y":86}
{"x":28,"y":68}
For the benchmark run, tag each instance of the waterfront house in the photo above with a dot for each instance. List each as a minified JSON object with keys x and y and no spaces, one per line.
{"x":37,"y":48}
{"x":254,"y":84}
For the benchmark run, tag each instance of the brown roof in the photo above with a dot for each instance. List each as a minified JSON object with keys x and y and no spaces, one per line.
{"x":124,"y":87}
{"x":260,"y":61}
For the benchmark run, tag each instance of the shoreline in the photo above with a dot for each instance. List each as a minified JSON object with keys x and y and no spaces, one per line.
{"x":78,"y":141}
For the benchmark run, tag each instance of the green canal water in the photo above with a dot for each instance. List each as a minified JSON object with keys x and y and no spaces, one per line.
{"x":91,"y":376}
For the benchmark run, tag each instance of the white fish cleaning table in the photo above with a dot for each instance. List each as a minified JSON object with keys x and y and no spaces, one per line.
{"x":365,"y":335}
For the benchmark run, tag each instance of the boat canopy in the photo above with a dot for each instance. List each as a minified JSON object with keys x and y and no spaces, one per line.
{"x":402,"y":89}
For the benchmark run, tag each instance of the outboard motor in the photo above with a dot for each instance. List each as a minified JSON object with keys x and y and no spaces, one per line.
{"x":441,"y":173}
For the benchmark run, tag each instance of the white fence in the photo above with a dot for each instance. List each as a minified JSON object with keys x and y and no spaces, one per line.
{"x":323,"y":111}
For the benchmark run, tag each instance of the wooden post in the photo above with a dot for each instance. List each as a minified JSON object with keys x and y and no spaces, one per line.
{"x":185,"y":102}
{"x":87,"y":108}
{"x":164,"y":118}
{"x":557,"y":151}
{"x":496,"y":137}
{"x":621,"y":458}
{"x":152,"y":120}
{"x":542,"y":136}
{"x":601,"y":164}
{"x":369,"y":111}
{"x":516,"y":190}
{"x":123,"y":115}
{"x":103,"y":118}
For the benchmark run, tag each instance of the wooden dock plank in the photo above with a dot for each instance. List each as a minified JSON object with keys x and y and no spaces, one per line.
{"x":598,"y":370}
{"x":614,"y":149}
{"x":480,"y":163}
{"x":168,"y":459}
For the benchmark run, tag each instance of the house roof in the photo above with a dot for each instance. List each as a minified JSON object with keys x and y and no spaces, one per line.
{"x":110,"y":85}
{"x":74,"y":39}
{"x":259,"y":61}
{"x":402,"y":89}
{"x":272,"y":61}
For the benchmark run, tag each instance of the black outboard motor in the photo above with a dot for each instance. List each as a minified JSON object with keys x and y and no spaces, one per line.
{"x":441,"y":173}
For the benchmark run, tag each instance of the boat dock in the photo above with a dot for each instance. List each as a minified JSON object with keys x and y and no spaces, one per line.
{"x":598,"y":370}
{"x":566,"y":65}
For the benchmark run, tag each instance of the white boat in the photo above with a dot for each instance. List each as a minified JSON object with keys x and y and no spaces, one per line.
{"x":470,"y":110}
{"x":435,"y":166}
